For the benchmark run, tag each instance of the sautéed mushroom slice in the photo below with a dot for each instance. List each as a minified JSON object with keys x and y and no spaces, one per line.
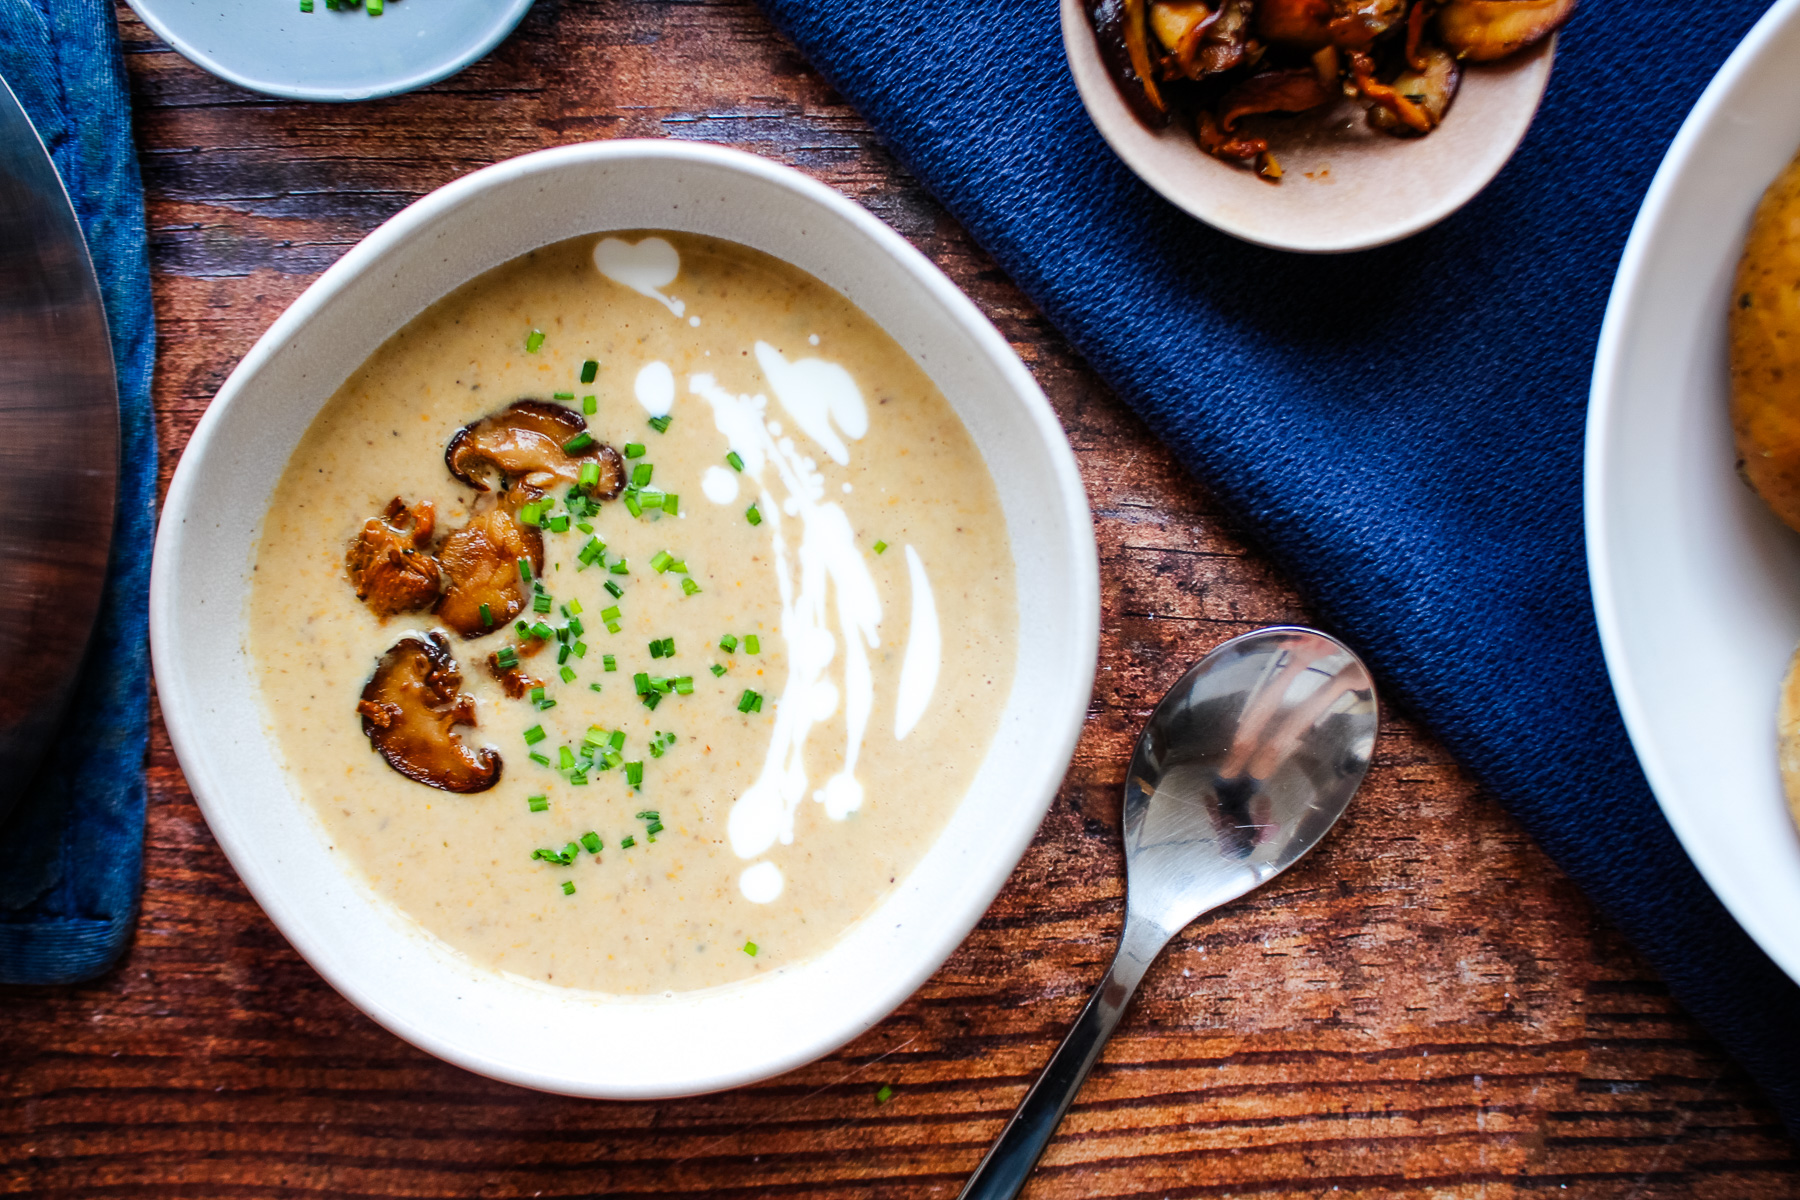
{"x":504,"y":665}
{"x":486,"y":589}
{"x":539,"y":444}
{"x":389,"y":564}
{"x":410,"y":708}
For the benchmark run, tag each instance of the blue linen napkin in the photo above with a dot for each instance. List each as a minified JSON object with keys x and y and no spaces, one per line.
{"x":1401,"y":428}
{"x":71,"y":853}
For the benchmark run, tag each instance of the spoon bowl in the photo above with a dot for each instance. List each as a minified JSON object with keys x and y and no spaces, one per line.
{"x":1245,"y":765}
{"x":1347,"y":187}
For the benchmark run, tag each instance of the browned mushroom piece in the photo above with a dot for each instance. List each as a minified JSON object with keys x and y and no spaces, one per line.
{"x":410,"y":709}
{"x":1200,"y":41}
{"x":1296,"y":89}
{"x":1429,"y":91}
{"x":1122,"y":34}
{"x":1303,"y":25}
{"x":535,"y":443}
{"x":481,"y":563}
{"x":513,"y":677}
{"x":1484,"y":30}
{"x":388,"y":563}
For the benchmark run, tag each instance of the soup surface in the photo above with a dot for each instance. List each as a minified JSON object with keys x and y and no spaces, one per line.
{"x":769,"y":714}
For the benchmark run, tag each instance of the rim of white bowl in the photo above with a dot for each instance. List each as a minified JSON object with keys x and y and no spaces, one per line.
{"x":149,"y":12}
{"x":1605,"y":403}
{"x":1009,"y":844}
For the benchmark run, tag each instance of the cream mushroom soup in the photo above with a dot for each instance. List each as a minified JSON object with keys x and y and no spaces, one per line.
{"x":636,"y":616}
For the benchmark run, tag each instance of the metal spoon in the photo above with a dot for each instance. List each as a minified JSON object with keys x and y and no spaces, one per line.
{"x":1247,"y":762}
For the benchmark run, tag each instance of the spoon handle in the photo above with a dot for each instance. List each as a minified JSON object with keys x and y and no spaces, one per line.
{"x":1009,"y":1160}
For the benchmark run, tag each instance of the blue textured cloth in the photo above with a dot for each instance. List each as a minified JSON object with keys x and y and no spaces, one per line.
{"x":71,"y":853}
{"x":1402,"y":428}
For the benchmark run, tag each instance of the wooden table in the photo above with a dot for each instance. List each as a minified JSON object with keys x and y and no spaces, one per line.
{"x":1426,"y":1007}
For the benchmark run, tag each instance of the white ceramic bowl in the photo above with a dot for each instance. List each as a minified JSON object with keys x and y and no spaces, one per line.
{"x":1696,"y":585}
{"x":538,"y":1035}
{"x":1340,"y":193}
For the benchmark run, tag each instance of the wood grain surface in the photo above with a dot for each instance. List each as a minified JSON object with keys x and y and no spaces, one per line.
{"x":1426,"y":1007}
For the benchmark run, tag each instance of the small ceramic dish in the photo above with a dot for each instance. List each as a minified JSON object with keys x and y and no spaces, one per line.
{"x":1341,"y":190}
{"x":557,"y":1039}
{"x":274,"y":48}
{"x":1696,"y":584}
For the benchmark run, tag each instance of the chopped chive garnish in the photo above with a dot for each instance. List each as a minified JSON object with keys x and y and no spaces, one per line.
{"x":641,"y":681}
{"x":590,"y":553}
{"x":752,"y":516}
{"x":568,"y":886}
{"x":610,"y":613}
{"x":578,"y":778}
{"x":540,"y":603}
{"x":640,"y":474}
{"x":634,"y":449}
{"x":562,"y":655}
{"x":578,"y":443}
{"x":737,"y":464}
{"x":621,"y":567}
{"x":506,"y":657}
{"x":884,"y":1094}
{"x":590,"y":405}
{"x":539,"y":759}
{"x":537,"y":803}
{"x":634,"y":773}
{"x":487,"y":617}
{"x":631,"y":503}
{"x":541,"y":630}
{"x":565,"y":758}
{"x":559,"y":523}
{"x":589,"y":370}
{"x":672,"y":504}
{"x":562,"y":395}
{"x":591,"y":841}
{"x":590,"y":475}
{"x":573,"y":609}
{"x":751,"y":644}
{"x":717,"y":669}
{"x":648,"y":499}
{"x":617,"y":740}
{"x":684,"y":686}
{"x":609,"y":663}
{"x":524,"y":571}
{"x":576,"y":628}
{"x":650,"y":814}
{"x":534,"y":341}
{"x":651,"y":830}
{"x":534,"y":735}
{"x":728,"y":643}
{"x":614,"y":589}
{"x":580,"y":649}
{"x":880,"y":547}
{"x":568,"y":674}
{"x":750,"y":949}
{"x":661,"y":561}
{"x":306,"y":5}
{"x":750,"y":701}
{"x":661,"y":424}
{"x":651,"y":699}
{"x":628,"y":843}
{"x":524,"y":630}
{"x":612,"y":627}
{"x":584,"y":527}
{"x":689,"y":587}
{"x":593,"y":687}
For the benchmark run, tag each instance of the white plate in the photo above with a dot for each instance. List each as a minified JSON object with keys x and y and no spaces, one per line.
{"x":514,"y":1029}
{"x":270,"y":46}
{"x":1696,"y":585}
